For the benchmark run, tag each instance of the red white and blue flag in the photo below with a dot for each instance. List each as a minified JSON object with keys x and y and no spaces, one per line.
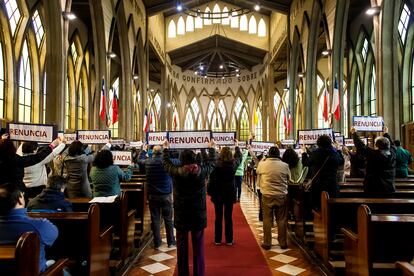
{"x":145,"y":127}
{"x":102,"y":109}
{"x":114,"y":108}
{"x":336,"y":107}
{"x":325,"y":105}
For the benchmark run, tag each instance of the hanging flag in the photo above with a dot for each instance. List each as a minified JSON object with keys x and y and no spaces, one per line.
{"x":325,"y":105}
{"x":175,"y":122}
{"x":145,"y":127}
{"x":256,"y":118}
{"x":285,"y":120}
{"x":102,"y":109}
{"x":289,"y":118}
{"x":151,"y":121}
{"x":114,"y":108}
{"x":336,"y":107}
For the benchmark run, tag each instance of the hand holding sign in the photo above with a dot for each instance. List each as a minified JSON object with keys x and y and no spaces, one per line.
{"x":165,"y":145}
{"x":5,"y":136}
{"x":385,"y":129}
{"x":212,"y":143}
{"x":352,"y":130}
{"x":236,"y":143}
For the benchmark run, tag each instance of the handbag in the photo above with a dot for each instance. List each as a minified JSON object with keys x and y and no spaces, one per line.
{"x":308,"y":184}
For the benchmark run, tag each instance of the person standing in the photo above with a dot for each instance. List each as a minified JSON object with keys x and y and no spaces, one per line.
{"x":159,"y":189}
{"x":222,"y":190}
{"x":274,"y":175}
{"x":190,"y":211}
{"x":403,"y":158}
{"x":239,"y":175}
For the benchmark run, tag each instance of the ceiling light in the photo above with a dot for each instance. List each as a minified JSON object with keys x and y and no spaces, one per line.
{"x":221,"y":66}
{"x":201,"y":67}
{"x":326,"y":52}
{"x":300,"y":75}
{"x":195,"y":73}
{"x":69,"y":15}
{"x":237,"y":70}
{"x":168,"y":105}
{"x":205,"y":76}
{"x":237,"y":75}
{"x":375,"y":10}
{"x":257,"y":7}
{"x":136,"y":77}
{"x":179,"y":7}
{"x":222,"y":77}
{"x":111,"y":54}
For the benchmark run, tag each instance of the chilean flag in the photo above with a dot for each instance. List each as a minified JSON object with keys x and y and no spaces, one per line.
{"x":175,"y":121}
{"x":325,"y":105}
{"x":102,"y":109}
{"x":114,"y":109}
{"x":146,"y":126}
{"x":336,"y":108}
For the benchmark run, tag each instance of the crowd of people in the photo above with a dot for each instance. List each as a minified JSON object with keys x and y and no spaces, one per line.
{"x":178,"y":184}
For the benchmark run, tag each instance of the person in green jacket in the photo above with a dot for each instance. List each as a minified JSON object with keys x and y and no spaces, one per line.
{"x":403,"y":158}
{"x":238,"y":178}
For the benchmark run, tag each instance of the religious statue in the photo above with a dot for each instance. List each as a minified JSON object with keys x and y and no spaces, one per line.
{"x":216,"y":96}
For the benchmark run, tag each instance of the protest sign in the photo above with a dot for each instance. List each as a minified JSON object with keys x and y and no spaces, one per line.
{"x":31,"y":132}
{"x":261,"y":146}
{"x":135,"y":144}
{"x":310,"y":136}
{"x":122,"y":158}
{"x":368,"y":123}
{"x":189,"y":139}
{"x":287,"y":142}
{"x":156,"y":138}
{"x":93,"y":136}
{"x":340,"y":139}
{"x":224,"y":138}
{"x":349,"y":142}
{"x":69,"y":137}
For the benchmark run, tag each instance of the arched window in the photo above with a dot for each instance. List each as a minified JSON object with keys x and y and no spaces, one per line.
{"x":258,"y":122}
{"x":358,"y":95}
{"x":403,"y":23}
{"x":81,"y":105}
{"x":234,"y":20}
{"x":216,"y":14}
{"x":25,"y":86}
{"x":262,"y":28}
{"x":215,"y":119}
{"x":373,"y":97}
{"x":243,"y":23}
{"x":322,"y":94}
{"x":176,"y":117}
{"x":13,"y":13}
{"x":1,"y":81}
{"x":240,"y":121}
{"x":364,"y":50}
{"x":189,"y":121}
{"x":38,"y":27}
{"x":67,"y":105}
{"x":74,"y":52}
{"x":252,"y":25}
{"x":207,"y":16}
{"x":277,"y":103}
{"x":222,"y":110}
{"x":114,"y":90}
{"x":181,"y":26}
{"x":198,"y":22}
{"x":157,"y":103}
{"x":226,"y":17}
{"x":189,"y":26}
{"x":172,"y":32}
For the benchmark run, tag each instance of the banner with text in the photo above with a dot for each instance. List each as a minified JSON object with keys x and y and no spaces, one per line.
{"x":189,"y":139}
{"x":93,"y":136}
{"x":224,"y":138}
{"x":309,"y":136}
{"x":368,"y":123}
{"x":340,"y":139}
{"x":349,"y":142}
{"x":298,"y":151}
{"x":69,"y":137}
{"x":31,"y":132}
{"x":135,"y":144}
{"x":156,"y":138}
{"x":242,"y":144}
{"x":261,"y":146}
{"x":286,"y":142}
{"x":123,"y":158}
{"x":118,"y":142}
{"x":337,"y":134}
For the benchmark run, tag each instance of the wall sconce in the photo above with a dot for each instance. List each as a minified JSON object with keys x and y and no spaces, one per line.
{"x":68,"y":15}
{"x":375,"y":10}
{"x":135,"y":77}
{"x":111,"y":55}
{"x":326,"y":53}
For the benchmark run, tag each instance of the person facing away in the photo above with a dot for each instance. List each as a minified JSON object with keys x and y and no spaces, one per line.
{"x":52,"y":198}
{"x":159,"y":189}
{"x":403,"y":158}
{"x":14,"y":221}
{"x":325,"y":159}
{"x":190,"y":211}
{"x":291,"y":158}
{"x":239,"y":174}
{"x":274,"y":175}
{"x":380,"y":168}
{"x":35,"y":177}
{"x":222,"y":190}
{"x":357,"y":164}
{"x":106,"y":176}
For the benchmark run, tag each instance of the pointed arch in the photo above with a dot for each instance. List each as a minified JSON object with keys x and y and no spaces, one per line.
{"x":13,"y":14}
{"x":189,"y":26}
{"x":258,"y":121}
{"x":244,"y":23}
{"x":198,"y":22}
{"x":262,"y":32}
{"x":38,"y":27}
{"x":25,"y":86}
{"x":207,"y":20}
{"x":226,"y":16}
{"x":252,"y":25}
{"x":234,"y":20}
{"x":216,"y":14}
{"x":180,"y":26}
{"x":172,"y":31}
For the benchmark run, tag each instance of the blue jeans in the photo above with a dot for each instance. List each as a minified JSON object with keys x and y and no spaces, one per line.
{"x":197,"y":239}
{"x":161,"y":205}
{"x":238,"y":180}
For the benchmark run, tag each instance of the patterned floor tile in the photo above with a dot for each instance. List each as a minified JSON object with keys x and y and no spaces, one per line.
{"x":283,"y":258}
{"x":161,"y":257}
{"x":290,"y":269}
{"x":155,"y":268}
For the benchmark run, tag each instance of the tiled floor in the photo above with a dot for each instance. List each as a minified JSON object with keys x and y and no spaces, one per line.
{"x":290,"y":261}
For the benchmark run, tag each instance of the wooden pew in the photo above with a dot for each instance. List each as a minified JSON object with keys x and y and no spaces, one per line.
{"x":22,"y":258}
{"x":381,"y":240}
{"x":81,"y":240}
{"x":123,"y":220}
{"x":406,"y":268}
{"x":396,"y":180}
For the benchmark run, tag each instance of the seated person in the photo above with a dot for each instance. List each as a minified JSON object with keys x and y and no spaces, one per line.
{"x":14,"y":221}
{"x":52,"y":198}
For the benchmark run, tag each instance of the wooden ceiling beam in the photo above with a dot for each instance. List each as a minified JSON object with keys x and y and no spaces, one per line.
{"x":238,"y":62}
{"x":238,"y":54}
{"x":189,"y":57}
{"x":194,"y":63}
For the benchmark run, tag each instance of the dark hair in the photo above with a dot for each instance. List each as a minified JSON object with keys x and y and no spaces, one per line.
{"x":290,"y":157}
{"x":397,"y":143}
{"x":225,"y":154}
{"x":76,"y":148}
{"x":9,"y":196}
{"x":103,"y":159}
{"x":187,"y":157}
{"x":324,"y":141}
{"x":7,"y":150}
{"x":382,"y":143}
{"x":273,"y":152}
{"x":29,"y":147}
{"x":56,"y":182}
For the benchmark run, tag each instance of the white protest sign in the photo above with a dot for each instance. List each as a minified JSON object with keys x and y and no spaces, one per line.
{"x":189,"y":139}
{"x":93,"y":136}
{"x":368,"y":123}
{"x":337,"y":134}
{"x":286,"y":142}
{"x":340,"y":139}
{"x":261,"y":146}
{"x":135,"y":144}
{"x":118,"y":142}
{"x":31,"y":132}
{"x":122,"y":157}
{"x":349,"y":142}
{"x":298,"y":151}
{"x":309,"y":136}
{"x":156,"y":138}
{"x":69,"y":137}
{"x":242,"y":144}
{"x":224,"y":138}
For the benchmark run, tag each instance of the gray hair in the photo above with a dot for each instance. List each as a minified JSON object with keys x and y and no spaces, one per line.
{"x":382,"y":143}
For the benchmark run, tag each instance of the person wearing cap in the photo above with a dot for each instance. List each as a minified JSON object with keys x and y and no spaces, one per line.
{"x":380,"y":168}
